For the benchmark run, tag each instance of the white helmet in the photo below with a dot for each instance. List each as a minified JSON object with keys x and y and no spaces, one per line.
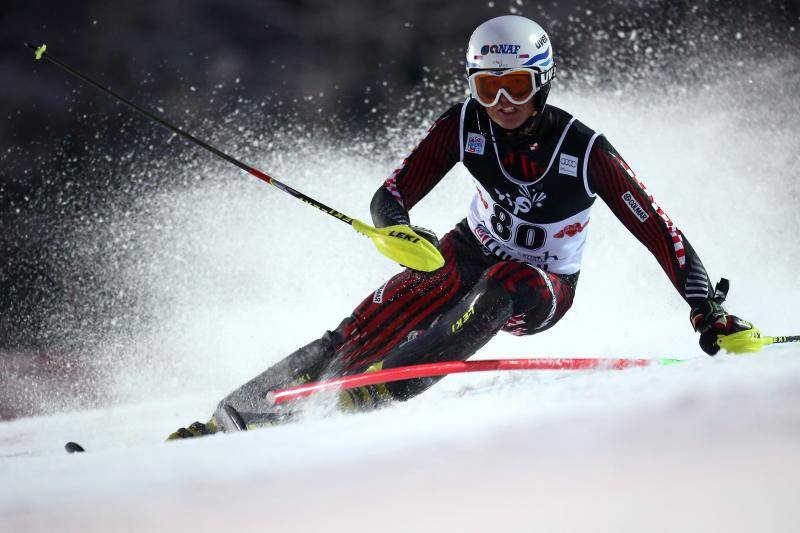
{"x":513,"y":42}
{"x":509,"y":41}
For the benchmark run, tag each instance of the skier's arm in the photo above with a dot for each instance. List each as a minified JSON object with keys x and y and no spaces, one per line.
{"x":613,"y":180}
{"x":432,"y":158}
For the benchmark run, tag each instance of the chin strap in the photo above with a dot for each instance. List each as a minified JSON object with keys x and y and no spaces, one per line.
{"x":540,"y":98}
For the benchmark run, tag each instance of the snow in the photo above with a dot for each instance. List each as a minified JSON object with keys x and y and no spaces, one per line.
{"x":708,"y":445}
{"x":711,"y":444}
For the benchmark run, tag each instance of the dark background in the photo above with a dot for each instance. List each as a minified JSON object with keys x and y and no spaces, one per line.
{"x":352,"y":69}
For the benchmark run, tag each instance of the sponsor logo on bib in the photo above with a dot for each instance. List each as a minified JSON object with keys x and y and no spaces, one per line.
{"x":525,"y":200}
{"x":568,"y":165}
{"x":634,"y":206}
{"x":571,"y":230}
{"x":475,"y":143}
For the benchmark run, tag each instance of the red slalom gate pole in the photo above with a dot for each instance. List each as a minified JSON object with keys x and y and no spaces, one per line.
{"x":457,"y":367}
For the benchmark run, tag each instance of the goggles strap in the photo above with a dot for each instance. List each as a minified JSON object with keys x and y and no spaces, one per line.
{"x":543,"y":78}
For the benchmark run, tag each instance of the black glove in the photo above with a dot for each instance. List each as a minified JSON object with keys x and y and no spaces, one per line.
{"x":426,"y":234}
{"x":710,"y":319}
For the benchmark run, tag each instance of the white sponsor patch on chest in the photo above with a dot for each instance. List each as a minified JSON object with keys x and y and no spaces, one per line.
{"x":475,"y":143}
{"x":634,"y":206}
{"x":568,"y":164}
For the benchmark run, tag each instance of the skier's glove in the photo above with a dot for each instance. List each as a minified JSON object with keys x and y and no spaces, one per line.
{"x":710,"y":319}
{"x":427,"y":234}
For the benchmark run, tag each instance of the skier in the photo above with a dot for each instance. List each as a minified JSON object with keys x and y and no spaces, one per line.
{"x":513,"y":263}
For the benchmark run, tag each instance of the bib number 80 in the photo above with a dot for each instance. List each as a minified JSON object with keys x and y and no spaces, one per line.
{"x":527,"y":236}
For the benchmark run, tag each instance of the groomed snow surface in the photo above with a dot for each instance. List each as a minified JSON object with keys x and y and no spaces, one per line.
{"x":709,"y":445}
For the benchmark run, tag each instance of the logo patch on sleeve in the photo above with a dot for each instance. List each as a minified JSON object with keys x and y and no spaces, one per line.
{"x":568,"y":164}
{"x":634,"y":206}
{"x":378,"y":296}
{"x":475,"y":143}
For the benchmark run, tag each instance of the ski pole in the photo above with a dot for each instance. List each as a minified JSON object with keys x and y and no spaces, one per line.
{"x":780,"y":340}
{"x":399,"y":243}
{"x":751,"y":340}
{"x":457,"y":367}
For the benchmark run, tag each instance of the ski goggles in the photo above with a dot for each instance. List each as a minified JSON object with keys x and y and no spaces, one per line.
{"x":517,"y":85}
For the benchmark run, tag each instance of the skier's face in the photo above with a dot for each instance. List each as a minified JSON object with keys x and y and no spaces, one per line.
{"x":510,"y":116}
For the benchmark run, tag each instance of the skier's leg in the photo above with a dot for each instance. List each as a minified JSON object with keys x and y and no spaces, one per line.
{"x":409,"y":302}
{"x":246,"y":402}
{"x":558,"y":289}
{"x":405,"y":307}
{"x":303,"y":365}
{"x":512,"y":296}
{"x":457,"y":334}
{"x":382,"y":320}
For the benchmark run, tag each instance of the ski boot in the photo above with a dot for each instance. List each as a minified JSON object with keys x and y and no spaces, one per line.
{"x":366,"y":398}
{"x":229,"y":420}
{"x":196,"y":429}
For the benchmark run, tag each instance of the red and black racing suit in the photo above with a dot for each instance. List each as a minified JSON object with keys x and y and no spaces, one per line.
{"x":410,"y":318}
